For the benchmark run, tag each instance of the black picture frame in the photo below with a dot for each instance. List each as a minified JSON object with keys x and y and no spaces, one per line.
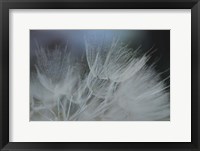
{"x":5,"y":5}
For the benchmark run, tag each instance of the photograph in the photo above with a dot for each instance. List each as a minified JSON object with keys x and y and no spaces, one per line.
{"x":99,"y":75}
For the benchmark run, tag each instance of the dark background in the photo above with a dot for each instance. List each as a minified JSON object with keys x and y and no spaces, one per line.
{"x":156,"y":39}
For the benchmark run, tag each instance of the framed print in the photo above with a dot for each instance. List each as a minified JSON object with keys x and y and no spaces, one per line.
{"x":99,"y":75}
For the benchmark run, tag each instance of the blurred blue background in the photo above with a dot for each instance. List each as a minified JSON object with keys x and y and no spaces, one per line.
{"x":158,"y":39}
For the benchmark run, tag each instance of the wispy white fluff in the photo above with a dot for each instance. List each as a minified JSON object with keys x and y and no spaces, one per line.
{"x":116,"y":85}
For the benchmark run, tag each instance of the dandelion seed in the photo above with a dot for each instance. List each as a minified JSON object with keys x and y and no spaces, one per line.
{"x":118,"y":85}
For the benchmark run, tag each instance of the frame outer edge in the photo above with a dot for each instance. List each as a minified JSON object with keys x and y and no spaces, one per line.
{"x":196,"y":75}
{"x":198,"y":43}
{"x":1,"y":63}
{"x":4,"y":74}
{"x":143,"y":1}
